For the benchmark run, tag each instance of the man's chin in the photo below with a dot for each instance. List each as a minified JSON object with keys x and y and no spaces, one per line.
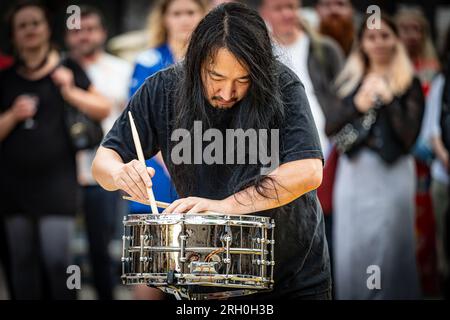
{"x":223,"y":107}
{"x":87,"y":52}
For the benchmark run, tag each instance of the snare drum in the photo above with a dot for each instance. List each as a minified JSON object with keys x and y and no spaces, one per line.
{"x":199,"y":256}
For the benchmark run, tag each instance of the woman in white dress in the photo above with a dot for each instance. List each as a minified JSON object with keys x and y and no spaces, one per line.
{"x":375,"y":183}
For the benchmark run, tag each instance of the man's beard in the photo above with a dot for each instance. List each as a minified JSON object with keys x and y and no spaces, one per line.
{"x":89,"y":51}
{"x":216,"y":103}
{"x":340,"y":29}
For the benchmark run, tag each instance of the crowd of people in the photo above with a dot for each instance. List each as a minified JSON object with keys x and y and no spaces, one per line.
{"x":378,"y":97}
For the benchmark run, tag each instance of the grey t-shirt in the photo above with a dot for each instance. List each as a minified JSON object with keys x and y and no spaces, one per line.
{"x":301,"y":253}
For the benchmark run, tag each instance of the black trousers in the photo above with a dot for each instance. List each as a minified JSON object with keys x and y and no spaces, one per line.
{"x":5,"y":258}
{"x":446,"y":289}
{"x":39,"y":256}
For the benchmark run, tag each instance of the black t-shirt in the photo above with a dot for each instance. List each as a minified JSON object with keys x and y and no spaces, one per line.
{"x":301,"y":253}
{"x":37,"y":166}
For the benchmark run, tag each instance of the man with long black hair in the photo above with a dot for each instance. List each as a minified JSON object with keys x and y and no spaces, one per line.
{"x":230,"y":79}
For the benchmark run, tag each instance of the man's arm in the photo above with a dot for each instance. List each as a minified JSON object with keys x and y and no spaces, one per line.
{"x":88,"y":101}
{"x":109,"y":170}
{"x":290,"y":181}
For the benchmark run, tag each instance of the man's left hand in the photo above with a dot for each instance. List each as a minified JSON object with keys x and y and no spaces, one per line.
{"x":199,"y":205}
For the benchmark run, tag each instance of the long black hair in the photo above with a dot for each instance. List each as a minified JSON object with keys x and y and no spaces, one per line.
{"x":243,"y":32}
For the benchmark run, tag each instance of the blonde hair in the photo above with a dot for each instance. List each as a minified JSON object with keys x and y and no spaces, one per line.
{"x":400,"y":71}
{"x":416,"y":14}
{"x":157,"y":32}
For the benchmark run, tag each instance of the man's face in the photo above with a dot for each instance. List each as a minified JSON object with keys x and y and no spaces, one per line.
{"x":334,"y":8}
{"x":225,"y":79}
{"x":411,"y":34}
{"x":89,"y":38}
{"x":281,"y":15}
{"x":336,"y":21}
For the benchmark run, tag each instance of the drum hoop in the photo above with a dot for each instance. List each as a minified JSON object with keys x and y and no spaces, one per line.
{"x":239,"y":280}
{"x":199,"y":219}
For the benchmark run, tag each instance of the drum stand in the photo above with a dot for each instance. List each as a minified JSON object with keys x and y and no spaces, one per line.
{"x":178,"y":293}
{"x":184,"y":294}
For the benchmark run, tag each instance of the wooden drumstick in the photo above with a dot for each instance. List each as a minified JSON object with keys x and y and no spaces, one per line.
{"x":159,"y":204}
{"x":163,"y":205}
{"x":140,"y":154}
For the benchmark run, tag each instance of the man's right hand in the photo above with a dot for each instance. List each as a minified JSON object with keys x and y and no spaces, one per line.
{"x":134,"y":178}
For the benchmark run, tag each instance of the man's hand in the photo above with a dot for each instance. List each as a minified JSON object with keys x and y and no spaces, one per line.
{"x":199,"y":205}
{"x":134,"y":178}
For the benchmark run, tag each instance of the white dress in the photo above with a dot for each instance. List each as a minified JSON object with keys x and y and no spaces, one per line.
{"x":374,"y":226}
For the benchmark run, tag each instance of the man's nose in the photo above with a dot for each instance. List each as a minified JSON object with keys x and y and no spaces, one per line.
{"x":335,"y":9}
{"x":288,"y":13}
{"x":227,"y":91}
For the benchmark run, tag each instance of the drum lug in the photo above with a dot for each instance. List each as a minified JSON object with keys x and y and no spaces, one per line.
{"x":183,"y":238}
{"x":145,"y":259}
{"x":148,"y":237}
{"x":263,"y":241}
{"x":271,"y":224}
{"x":263,"y":262}
{"x":226,"y":238}
{"x":123,"y":259}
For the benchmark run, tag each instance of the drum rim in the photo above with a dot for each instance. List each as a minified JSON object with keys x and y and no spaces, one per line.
{"x":209,"y":216}
{"x":238,"y":280}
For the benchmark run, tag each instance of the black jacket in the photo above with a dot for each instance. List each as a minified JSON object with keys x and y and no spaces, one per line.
{"x":325,"y":61}
{"x":397,"y":126}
